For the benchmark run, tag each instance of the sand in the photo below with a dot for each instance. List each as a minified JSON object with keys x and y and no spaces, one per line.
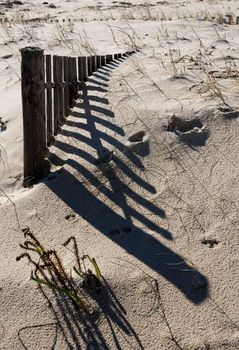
{"x":161,"y":219}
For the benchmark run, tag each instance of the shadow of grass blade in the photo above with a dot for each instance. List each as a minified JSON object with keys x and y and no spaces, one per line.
{"x":69,"y":293}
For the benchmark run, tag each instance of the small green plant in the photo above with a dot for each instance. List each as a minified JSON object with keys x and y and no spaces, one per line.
{"x":48,"y":270}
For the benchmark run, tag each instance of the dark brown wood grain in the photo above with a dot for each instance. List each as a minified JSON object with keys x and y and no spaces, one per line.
{"x":74,"y":78}
{"x":49,"y":100}
{"x":56,"y":94}
{"x":89,"y":62}
{"x":33,"y":109}
{"x":98,"y":62}
{"x":60,"y":90}
{"x":85,"y":69}
{"x":103,"y":60}
{"x":80,"y":69}
{"x":94,"y":67}
{"x":66,"y":88}
{"x":71,"y":88}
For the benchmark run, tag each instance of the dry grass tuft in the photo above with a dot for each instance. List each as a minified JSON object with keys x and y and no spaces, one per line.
{"x":48,"y":270}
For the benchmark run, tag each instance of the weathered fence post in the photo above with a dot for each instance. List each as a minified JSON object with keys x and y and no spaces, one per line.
{"x":66,"y":89}
{"x":60,"y":91}
{"x":103,"y":61}
{"x":85,"y":69}
{"x":80,"y":69}
{"x":33,"y":109}
{"x":71,"y":87}
{"x":230,"y":19}
{"x":93,"y":58}
{"x":108,"y":59}
{"x":56,"y":94}
{"x":72,"y":73}
{"x":98,"y":62}
{"x":49,"y":100}
{"x":75,"y":80}
{"x":89,"y":61}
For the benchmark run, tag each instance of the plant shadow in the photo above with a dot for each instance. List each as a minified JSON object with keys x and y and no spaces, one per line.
{"x":78,"y":330}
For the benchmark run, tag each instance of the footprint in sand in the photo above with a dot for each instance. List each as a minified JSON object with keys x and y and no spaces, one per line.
{"x":229,"y":113}
{"x":210,"y":242}
{"x":139,"y":143}
{"x":70,"y":217}
{"x":191,"y":132}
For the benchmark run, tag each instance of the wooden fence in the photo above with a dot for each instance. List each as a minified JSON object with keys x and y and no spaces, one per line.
{"x":218,"y":18}
{"x":50,"y":87}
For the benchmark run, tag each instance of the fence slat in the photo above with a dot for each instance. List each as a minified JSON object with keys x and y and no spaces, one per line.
{"x":49,"y":128}
{"x":85,"y":69}
{"x":89,"y":61}
{"x":98,"y":62}
{"x":80,"y":69}
{"x":93,"y":63}
{"x":33,"y":108}
{"x":74,"y":76}
{"x":71,"y":89}
{"x":60,"y":87}
{"x":56,"y":94}
{"x":66,"y":88}
{"x":103,"y":61}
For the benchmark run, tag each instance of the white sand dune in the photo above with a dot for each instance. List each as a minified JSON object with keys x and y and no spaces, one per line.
{"x":161,"y":217}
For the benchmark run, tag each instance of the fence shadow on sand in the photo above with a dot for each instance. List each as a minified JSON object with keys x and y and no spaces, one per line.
{"x":119,"y":228}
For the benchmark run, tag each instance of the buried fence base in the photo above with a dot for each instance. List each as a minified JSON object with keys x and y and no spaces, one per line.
{"x":32,"y":180}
